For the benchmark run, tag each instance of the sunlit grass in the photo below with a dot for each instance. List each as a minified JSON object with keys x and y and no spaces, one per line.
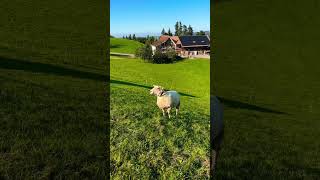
{"x":143,"y":143}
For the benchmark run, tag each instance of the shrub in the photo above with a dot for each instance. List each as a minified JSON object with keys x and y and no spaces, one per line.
{"x":159,"y":57}
{"x":138,"y":52}
{"x":145,"y":52}
{"x":172,"y":55}
{"x":164,"y":58}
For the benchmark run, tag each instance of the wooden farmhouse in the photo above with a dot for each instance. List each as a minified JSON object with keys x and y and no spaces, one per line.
{"x":183,"y":45}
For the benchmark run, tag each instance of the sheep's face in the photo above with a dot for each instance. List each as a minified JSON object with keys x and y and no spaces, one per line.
{"x":156,"y":90}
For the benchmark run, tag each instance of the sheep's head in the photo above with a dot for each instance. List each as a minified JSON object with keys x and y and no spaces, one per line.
{"x":156,"y":90}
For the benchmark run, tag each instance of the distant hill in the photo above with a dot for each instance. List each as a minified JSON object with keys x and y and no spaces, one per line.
{"x":124,"y":45}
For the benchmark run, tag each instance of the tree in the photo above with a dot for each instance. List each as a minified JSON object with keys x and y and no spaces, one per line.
{"x":176,"y":28}
{"x":145,"y":52}
{"x":180,"y":28}
{"x":184,"y":30}
{"x":152,"y":39}
{"x":149,"y":39}
{"x":163,"y":32}
{"x":164,"y":58}
{"x":134,"y":37}
{"x":148,"y":42}
{"x":130,"y":36}
{"x":123,"y":37}
{"x":201,"y":33}
{"x":169,"y":32}
{"x":190,"y":31}
{"x":172,"y":55}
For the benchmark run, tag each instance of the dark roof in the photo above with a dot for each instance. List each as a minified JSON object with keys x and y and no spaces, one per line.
{"x":194,"y":40}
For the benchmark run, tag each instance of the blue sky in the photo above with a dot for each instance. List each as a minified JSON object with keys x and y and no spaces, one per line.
{"x":150,"y":16}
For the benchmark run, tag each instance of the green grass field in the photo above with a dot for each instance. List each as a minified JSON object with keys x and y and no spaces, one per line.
{"x":268,"y":76}
{"x":143,"y":143}
{"x":119,"y":45}
{"x":52,"y":90}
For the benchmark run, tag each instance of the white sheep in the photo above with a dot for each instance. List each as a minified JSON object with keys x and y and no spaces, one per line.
{"x":166,"y":100}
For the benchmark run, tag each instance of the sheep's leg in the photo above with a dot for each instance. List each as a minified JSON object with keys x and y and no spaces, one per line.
{"x":163,"y":113}
{"x":168,"y":111}
{"x":177,"y":109}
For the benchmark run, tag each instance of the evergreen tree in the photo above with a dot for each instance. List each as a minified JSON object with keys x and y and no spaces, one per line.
{"x":152,"y":39}
{"x":130,"y":36}
{"x":134,"y":37}
{"x":163,"y":32}
{"x":180,"y":28}
{"x":190,"y":31}
{"x":184,"y":30}
{"x":123,"y":37}
{"x":169,"y":32}
{"x":176,"y":28}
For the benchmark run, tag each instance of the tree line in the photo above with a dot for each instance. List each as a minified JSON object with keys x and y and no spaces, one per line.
{"x":181,"y":30}
{"x":143,"y":40}
{"x":133,"y":37}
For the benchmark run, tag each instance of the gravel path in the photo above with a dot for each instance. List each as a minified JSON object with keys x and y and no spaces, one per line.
{"x":121,"y":54}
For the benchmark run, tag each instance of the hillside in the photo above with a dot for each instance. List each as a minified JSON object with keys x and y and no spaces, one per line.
{"x":267,"y":76}
{"x":52,"y":89}
{"x":144,"y":144}
{"x":119,"y":45}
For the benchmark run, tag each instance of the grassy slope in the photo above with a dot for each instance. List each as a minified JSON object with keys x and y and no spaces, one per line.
{"x":267,"y":56}
{"x":52,"y":91}
{"x":123,"y":45}
{"x":143,"y":143}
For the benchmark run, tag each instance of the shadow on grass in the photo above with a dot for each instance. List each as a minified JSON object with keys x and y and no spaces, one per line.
{"x":142,"y":86}
{"x":37,"y":67}
{"x":179,"y":59}
{"x":306,"y":168}
{"x":241,"y":105}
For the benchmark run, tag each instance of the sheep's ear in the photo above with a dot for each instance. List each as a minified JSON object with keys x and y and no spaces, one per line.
{"x":154,"y":85}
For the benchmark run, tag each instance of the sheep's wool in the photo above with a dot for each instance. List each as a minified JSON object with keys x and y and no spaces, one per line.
{"x":169,"y":99}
